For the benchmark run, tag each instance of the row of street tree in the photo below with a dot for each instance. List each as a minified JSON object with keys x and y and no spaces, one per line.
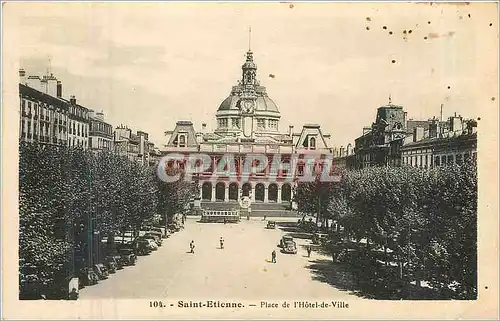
{"x":421,"y":224}
{"x":67,"y":196}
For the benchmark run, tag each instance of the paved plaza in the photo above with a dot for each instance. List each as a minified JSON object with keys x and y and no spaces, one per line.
{"x":242,"y":270}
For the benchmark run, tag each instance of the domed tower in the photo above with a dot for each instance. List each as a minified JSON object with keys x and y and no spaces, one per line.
{"x":248,"y":111}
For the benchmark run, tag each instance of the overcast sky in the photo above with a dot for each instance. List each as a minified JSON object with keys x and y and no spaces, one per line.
{"x":150,"y":65}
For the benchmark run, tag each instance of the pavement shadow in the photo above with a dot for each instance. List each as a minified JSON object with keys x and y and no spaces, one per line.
{"x":287,"y":224}
{"x":337,"y":276}
{"x":300,"y":235}
{"x":290,"y":229}
{"x":356,"y":281}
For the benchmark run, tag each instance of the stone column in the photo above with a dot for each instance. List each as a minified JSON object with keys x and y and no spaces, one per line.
{"x":200,"y":185}
{"x":266,"y":194}
{"x":253,"y":193}
{"x":240,"y":192}
{"x":279,"y":195}
{"x":226,"y":193}
{"x":213,"y":192}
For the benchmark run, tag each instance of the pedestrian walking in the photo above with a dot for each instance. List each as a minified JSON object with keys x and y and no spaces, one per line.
{"x":221,"y":243}
{"x":309,"y":251}
{"x":273,"y":256}
{"x":265,"y":217}
{"x":191,"y":245}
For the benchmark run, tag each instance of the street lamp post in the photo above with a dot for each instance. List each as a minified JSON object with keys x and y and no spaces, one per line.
{"x":89,"y":224}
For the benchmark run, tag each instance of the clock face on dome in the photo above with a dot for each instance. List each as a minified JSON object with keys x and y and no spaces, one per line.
{"x":248,"y":106}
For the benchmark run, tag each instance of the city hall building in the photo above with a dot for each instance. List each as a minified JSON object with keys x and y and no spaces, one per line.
{"x":248,"y":122}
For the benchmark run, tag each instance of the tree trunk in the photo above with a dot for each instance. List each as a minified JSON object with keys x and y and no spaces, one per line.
{"x":318,"y":212}
{"x":385,"y":255}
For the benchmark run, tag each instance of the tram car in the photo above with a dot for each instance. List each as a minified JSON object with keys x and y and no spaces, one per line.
{"x":212,"y":216}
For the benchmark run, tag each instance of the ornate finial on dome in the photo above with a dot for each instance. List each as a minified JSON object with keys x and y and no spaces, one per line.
{"x":249,"y":38}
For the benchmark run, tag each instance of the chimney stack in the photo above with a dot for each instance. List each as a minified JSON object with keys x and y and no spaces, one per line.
{"x":290,"y":130}
{"x":455,"y":123}
{"x":349,"y":149}
{"x":72,"y":99}
{"x":99,"y":116}
{"x":59,"y":89}
{"x":22,"y":76}
{"x":433,"y":128}
{"x":418,"y":134}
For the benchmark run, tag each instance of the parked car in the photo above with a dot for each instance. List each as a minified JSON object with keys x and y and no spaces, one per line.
{"x":149,"y":242}
{"x":152,"y":244}
{"x":156,"y":233}
{"x":157,"y":229}
{"x":101,"y":271}
{"x":127,"y":256}
{"x":174,"y":227}
{"x":118,"y":260}
{"x":319,"y":238}
{"x":284,"y":239}
{"x":110,"y":263}
{"x":143,"y":246}
{"x":88,"y":277}
{"x":154,"y":238}
{"x":308,"y":226}
{"x":290,"y":247}
{"x":271,"y":225}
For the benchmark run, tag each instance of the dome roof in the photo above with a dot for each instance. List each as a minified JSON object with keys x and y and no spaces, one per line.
{"x":249,"y":87}
{"x":263,"y":103}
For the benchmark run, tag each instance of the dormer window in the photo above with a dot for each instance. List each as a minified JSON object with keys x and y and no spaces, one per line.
{"x":261,"y":123}
{"x":181,"y":140}
{"x":273,"y":124}
{"x":223,"y":122}
{"x":312,"y":143}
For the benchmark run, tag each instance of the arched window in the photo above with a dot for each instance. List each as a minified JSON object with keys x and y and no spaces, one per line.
{"x":182,"y":141}
{"x":206,"y":191}
{"x":312,"y":143}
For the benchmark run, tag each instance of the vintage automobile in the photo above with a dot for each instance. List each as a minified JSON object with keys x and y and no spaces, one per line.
{"x":101,"y":271}
{"x":127,"y":256}
{"x":285,"y":239}
{"x":155,"y":238}
{"x":149,"y":243}
{"x":118,"y":260}
{"x":289,"y":247}
{"x":319,"y":238}
{"x":143,"y":246}
{"x":110,"y":263}
{"x":88,"y":277}
{"x":271,"y":225}
{"x":159,"y":235}
{"x":174,"y":227}
{"x":157,"y":230}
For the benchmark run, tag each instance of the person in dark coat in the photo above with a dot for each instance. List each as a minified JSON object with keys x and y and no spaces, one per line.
{"x":221,"y":243}
{"x":273,"y":256}
{"x":73,"y":295}
{"x":191,"y":245}
{"x":309,"y":251}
